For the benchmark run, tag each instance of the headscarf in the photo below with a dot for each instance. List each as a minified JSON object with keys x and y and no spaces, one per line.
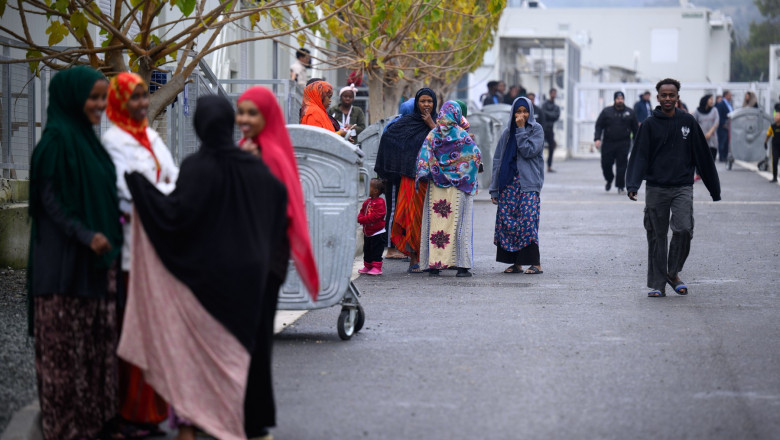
{"x":277,"y":153}
{"x":406,"y":107}
{"x":508,"y":169}
{"x":401,"y":142}
{"x":216,"y":232}
{"x":703,"y":105}
{"x":750,"y":100}
{"x":463,"y":107}
{"x":71,"y":157}
{"x":464,"y":123}
{"x":449,"y":156}
{"x":120,"y":89}
{"x":314,"y":111}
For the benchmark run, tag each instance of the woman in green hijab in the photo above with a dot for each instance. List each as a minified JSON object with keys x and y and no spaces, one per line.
{"x":76,"y":237}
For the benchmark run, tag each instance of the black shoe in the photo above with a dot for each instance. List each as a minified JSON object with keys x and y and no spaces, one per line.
{"x":608,"y":186}
{"x":463,"y":273}
{"x":433,"y":272}
{"x":773,"y":180}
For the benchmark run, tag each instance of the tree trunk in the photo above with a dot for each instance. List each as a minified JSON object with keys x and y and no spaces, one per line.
{"x":376,"y":92}
{"x":165,"y":95}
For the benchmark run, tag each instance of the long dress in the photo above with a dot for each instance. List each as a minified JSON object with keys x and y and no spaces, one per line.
{"x":396,"y":159}
{"x":72,"y":290}
{"x":450,"y":159}
{"x":198,"y":302}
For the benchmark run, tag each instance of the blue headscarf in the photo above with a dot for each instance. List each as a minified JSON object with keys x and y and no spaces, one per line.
{"x":449,"y":155}
{"x":508,"y":170}
{"x":407,"y":107}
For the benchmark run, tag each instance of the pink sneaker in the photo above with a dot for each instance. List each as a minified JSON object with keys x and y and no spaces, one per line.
{"x":375,"y":271}
{"x":365,"y":269}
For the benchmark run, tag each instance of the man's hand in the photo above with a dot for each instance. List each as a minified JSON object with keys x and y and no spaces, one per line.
{"x":100,"y":244}
{"x":494,"y":200}
{"x":598,"y":144}
{"x":632,"y":196}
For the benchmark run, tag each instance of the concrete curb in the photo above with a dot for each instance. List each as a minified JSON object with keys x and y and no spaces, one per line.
{"x":25,"y":424}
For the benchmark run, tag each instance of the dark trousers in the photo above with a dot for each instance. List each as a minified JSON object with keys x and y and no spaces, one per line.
{"x":549,"y":137}
{"x":527,"y":255}
{"x":611,"y":153}
{"x":659,"y":204}
{"x":723,"y":144}
{"x":373,"y":247}
{"x":775,"y":157}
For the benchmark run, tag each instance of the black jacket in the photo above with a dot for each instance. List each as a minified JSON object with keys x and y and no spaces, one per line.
{"x":667,"y":151}
{"x":551,"y":112}
{"x":616,"y":126}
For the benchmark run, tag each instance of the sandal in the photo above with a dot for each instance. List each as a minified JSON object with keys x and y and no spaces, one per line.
{"x":655,"y":294}
{"x":514,"y":269}
{"x":678,"y":286}
{"x":533,"y":270}
{"x":414,"y":268}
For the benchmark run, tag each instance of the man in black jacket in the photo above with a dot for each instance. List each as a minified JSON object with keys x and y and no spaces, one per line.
{"x":551,"y":113}
{"x":670,"y":147}
{"x":614,"y":128}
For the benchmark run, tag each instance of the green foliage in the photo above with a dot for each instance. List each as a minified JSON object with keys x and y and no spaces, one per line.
{"x":78,"y":21}
{"x":185,"y":6}
{"x":56,"y":32}
{"x":769,"y":8}
{"x":34,"y":64}
{"x":750,"y":61}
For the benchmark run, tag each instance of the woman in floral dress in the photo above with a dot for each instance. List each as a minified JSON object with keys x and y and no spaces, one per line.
{"x":518,"y":176}
{"x":450,"y":159}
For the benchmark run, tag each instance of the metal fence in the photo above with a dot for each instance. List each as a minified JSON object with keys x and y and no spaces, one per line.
{"x":591,"y":98}
{"x":17,"y":119}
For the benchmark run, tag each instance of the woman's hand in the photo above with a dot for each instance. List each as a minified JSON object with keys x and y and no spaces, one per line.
{"x":100,"y":244}
{"x":250,"y":147}
{"x":494,"y":200}
{"x":426,"y":117}
{"x":520,"y":120}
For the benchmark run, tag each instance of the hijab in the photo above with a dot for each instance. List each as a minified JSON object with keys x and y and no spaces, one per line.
{"x":120,"y":89}
{"x":71,"y":157}
{"x":401,"y":142}
{"x":277,"y":152}
{"x":216,"y":232}
{"x":703,"y":109}
{"x":508,"y":169}
{"x":314,"y":111}
{"x":449,"y":156}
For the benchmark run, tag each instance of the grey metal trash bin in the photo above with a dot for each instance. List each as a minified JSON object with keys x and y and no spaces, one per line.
{"x":747,"y":131}
{"x":330,"y":170}
{"x":368,"y":140}
{"x":498,"y":111}
{"x":486,"y":130}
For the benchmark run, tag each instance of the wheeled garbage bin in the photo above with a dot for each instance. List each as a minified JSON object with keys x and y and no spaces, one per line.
{"x":330,"y":169}
{"x":747,"y":132}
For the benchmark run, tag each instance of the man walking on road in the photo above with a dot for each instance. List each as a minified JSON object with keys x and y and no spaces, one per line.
{"x":551,"y":114}
{"x":614,"y":128}
{"x":642,"y":108}
{"x":724,"y":108}
{"x":669,"y":148}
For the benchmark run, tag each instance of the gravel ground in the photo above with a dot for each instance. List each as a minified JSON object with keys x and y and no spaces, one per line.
{"x":17,"y":355}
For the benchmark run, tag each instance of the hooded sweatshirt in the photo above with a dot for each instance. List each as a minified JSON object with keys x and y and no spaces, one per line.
{"x":668,"y":151}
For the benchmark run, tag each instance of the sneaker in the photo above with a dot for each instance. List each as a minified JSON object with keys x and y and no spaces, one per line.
{"x":364,"y":270}
{"x":375,"y":271}
{"x":621,"y":190}
{"x":433,"y":273}
{"x":462,"y":273}
{"x":696,"y":178}
{"x":608,"y":186}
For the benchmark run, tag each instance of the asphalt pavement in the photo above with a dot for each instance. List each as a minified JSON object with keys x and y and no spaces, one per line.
{"x":578,"y":352}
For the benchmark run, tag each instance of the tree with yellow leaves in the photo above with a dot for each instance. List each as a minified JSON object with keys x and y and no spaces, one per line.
{"x":403,"y":44}
{"x":134,"y":34}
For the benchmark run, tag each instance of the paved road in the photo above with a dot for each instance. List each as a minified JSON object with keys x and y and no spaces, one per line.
{"x":577,"y":352}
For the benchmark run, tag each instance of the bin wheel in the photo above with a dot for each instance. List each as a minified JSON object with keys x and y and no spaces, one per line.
{"x":360,"y":319}
{"x":346,"y":323}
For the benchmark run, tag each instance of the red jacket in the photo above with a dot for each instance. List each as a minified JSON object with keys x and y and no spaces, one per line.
{"x":372,"y":216}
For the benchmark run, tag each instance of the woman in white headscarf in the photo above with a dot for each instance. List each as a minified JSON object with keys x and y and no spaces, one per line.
{"x":349,"y":116}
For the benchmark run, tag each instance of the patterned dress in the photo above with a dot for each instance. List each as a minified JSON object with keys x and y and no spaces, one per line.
{"x":517,"y":225}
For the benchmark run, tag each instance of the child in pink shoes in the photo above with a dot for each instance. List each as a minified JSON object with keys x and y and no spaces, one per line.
{"x":372,"y":217}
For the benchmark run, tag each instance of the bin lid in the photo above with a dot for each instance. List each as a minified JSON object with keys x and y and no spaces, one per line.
{"x":324,"y":140}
